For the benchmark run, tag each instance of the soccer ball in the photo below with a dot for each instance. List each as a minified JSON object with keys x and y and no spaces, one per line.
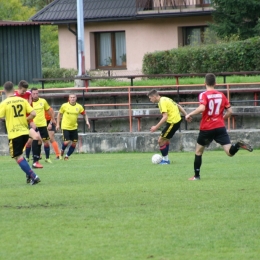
{"x":156,"y":159}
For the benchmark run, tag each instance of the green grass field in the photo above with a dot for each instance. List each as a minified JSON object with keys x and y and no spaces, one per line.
{"x":121,"y":206}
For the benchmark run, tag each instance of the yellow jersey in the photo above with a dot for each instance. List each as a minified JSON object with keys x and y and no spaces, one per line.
{"x":14,"y":109}
{"x":167,"y":105}
{"x":70,"y":115}
{"x":40,"y":106}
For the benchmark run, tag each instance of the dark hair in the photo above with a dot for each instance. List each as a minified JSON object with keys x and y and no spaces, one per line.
{"x":23,"y":84}
{"x":210,"y":79}
{"x":34,"y":89}
{"x":8,"y":86}
{"x":153,"y":92}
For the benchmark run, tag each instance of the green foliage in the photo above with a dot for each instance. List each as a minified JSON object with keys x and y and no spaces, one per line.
{"x":37,"y":4}
{"x":233,"y":56}
{"x":236,"y":17}
{"x":120,"y":206}
{"x":58,"y":73}
{"x":49,"y":46}
{"x":14,"y":10}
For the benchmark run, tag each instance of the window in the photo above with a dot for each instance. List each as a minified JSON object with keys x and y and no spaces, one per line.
{"x":110,"y":50}
{"x":193,"y":35}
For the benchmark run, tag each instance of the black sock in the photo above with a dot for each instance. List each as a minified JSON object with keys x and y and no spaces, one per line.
{"x":36,"y":150}
{"x":197,"y":164}
{"x":234,"y":149}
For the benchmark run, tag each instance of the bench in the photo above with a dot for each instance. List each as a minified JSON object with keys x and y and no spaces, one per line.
{"x":138,"y":117}
{"x":236,"y":114}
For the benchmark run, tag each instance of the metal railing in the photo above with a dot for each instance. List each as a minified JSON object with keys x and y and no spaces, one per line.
{"x":148,"y":5}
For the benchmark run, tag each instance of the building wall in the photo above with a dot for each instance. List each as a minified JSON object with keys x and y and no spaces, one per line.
{"x":20,"y":53}
{"x":142,"y":36}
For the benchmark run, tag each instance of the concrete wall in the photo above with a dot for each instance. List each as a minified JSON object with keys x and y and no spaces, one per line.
{"x":142,"y":142}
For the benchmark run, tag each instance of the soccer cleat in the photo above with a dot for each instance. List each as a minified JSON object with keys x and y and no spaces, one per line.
{"x":59,"y":157}
{"x":27,"y":159}
{"x":36,"y":165}
{"x":165,"y":162}
{"x":28,"y":179}
{"x":48,"y":160}
{"x":194,"y":178}
{"x":35,"y":180}
{"x":66,"y":158}
{"x":245,"y":146}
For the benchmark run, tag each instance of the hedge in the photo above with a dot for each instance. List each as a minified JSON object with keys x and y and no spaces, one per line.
{"x":226,"y":57}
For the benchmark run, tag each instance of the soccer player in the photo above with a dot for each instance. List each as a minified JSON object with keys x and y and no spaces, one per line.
{"x":212,"y":126}
{"x":171,"y":116}
{"x":15,"y":110}
{"x":51,"y":127}
{"x":41,"y":106}
{"x":34,"y":141}
{"x":69,"y":124}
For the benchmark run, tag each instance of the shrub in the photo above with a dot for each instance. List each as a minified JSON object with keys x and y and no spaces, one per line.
{"x":58,"y":73}
{"x":230,"y":57}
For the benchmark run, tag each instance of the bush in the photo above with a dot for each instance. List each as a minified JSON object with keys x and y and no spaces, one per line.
{"x":229,"y":57}
{"x":58,"y":73}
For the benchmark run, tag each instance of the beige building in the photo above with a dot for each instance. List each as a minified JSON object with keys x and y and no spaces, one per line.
{"x":119,"y":32}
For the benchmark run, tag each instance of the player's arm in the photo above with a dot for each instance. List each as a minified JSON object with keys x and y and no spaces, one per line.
{"x":31,"y":116}
{"x":84,"y":114}
{"x":58,"y":121}
{"x":228,"y":113}
{"x":161,"y":122}
{"x":198,"y":110}
{"x":182,"y":110}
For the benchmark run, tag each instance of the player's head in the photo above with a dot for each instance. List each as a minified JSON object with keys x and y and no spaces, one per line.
{"x":35,"y":94}
{"x":72,"y":98}
{"x":154,"y":96}
{"x":9,"y":87}
{"x":22,"y":87}
{"x":210,"y":80}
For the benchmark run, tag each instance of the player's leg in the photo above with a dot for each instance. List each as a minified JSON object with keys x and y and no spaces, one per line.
{"x":204,"y":139}
{"x":28,"y":148}
{"x":53,"y":142}
{"x":66,"y":141}
{"x":46,"y":144}
{"x":74,"y":138}
{"x":36,"y":147}
{"x":222,"y":138}
{"x":16,"y":151}
{"x":164,"y":140}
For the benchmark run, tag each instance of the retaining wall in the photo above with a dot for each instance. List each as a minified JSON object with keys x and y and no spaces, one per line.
{"x":142,"y":141}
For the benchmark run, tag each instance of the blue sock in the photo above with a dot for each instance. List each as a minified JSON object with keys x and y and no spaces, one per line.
{"x":47,"y":151}
{"x":27,"y":151}
{"x":64,"y":146}
{"x":71,"y":149}
{"x":26,"y":168}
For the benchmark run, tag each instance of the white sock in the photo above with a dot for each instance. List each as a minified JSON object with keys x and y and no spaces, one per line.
{"x":165,"y":158}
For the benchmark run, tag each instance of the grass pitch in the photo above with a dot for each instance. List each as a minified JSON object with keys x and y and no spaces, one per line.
{"x":121,"y":206}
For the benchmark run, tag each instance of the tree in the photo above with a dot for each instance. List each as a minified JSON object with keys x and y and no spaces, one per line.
{"x":236,"y":17}
{"x":15,"y":11}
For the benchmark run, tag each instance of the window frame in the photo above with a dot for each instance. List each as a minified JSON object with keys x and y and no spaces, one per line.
{"x":184,"y":33}
{"x":113,"y":51}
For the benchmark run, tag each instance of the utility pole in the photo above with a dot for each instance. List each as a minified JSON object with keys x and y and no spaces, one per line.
{"x":81,"y":40}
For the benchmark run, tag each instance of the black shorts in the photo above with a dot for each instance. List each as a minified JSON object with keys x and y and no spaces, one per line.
{"x":53,"y":127}
{"x":70,"y":135}
{"x":43,"y":133}
{"x":219,"y":135}
{"x":17,"y":144}
{"x":170,"y":129}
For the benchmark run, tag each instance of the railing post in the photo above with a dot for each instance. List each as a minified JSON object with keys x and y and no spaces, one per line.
{"x":84,"y":122}
{"x":129,"y":110}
